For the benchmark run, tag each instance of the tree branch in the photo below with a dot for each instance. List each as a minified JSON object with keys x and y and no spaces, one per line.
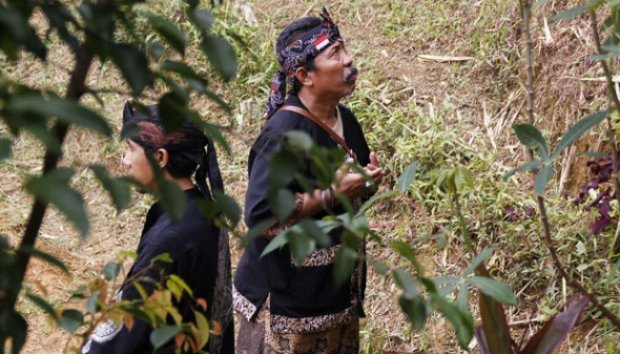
{"x":75,"y":89}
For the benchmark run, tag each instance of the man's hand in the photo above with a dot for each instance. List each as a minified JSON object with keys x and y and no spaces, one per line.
{"x":355,"y":184}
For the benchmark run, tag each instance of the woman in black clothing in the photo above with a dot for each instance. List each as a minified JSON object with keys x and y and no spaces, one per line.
{"x":199,"y":249}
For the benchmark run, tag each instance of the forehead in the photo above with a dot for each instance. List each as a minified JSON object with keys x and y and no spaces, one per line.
{"x":331,"y":48}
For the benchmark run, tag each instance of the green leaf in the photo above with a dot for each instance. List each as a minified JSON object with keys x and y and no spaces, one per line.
{"x":282,"y":202}
{"x":172,"y":198}
{"x":405,"y":281}
{"x":577,"y":130}
{"x":118,"y":188}
{"x":532,"y":138}
{"x":463,"y":179}
{"x":173,"y":110}
{"x":344,"y":264}
{"x":169,"y":31}
{"x":69,"y":112}
{"x":415,"y":309}
{"x":202,"y":19}
{"x":203,"y":328}
{"x":542,"y":178}
{"x":5,"y":148}
{"x":196,"y":81}
{"x":213,"y":132}
{"x":300,"y":243}
{"x":376,"y":198}
{"x":556,"y":329}
{"x":229,"y":207}
{"x":221,"y":55}
{"x":407,"y":177}
{"x":486,"y":253}
{"x":218,"y":100}
{"x":494,"y":333}
{"x":283,"y":167}
{"x":462,"y":323}
{"x":43,"y":304}
{"x":380,"y":267}
{"x":181,"y":284}
{"x":111,"y":270}
{"x":299,"y":139}
{"x":462,"y":299}
{"x":277,"y":243}
{"x":70,"y":320}
{"x":49,"y":258}
{"x":316,"y":231}
{"x":43,"y":134}
{"x":527,"y":166}
{"x":92,"y":304}
{"x":570,"y":13}
{"x":163,"y":335}
{"x":405,"y":250}
{"x":53,"y":188}
{"x":164,"y":257}
{"x":493,"y":288}
{"x":21,"y":34}
{"x":133,"y":66}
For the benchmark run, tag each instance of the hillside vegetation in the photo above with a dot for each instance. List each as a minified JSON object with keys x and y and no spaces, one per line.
{"x":441,"y":82}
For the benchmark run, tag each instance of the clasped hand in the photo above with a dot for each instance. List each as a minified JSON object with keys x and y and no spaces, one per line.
{"x":354,"y":184}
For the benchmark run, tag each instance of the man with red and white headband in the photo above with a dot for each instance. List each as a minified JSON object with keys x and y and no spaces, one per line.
{"x":283,"y":307}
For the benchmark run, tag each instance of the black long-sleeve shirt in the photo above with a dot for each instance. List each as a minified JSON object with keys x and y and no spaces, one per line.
{"x":295,"y":292}
{"x":193,"y":245}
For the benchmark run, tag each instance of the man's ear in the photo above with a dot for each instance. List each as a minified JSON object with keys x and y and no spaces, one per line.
{"x":162,"y":157}
{"x":303,"y":76}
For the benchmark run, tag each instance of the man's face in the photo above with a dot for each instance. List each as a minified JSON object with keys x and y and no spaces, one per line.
{"x":333,"y":72}
{"x":137,"y":165}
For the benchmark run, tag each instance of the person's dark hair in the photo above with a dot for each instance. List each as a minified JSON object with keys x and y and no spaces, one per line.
{"x":180,"y":166}
{"x":294,"y":31}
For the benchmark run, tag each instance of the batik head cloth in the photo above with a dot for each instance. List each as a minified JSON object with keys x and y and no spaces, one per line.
{"x":297,"y":54}
{"x":188,"y":142}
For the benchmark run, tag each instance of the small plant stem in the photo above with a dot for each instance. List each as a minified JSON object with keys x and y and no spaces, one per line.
{"x":548,"y":240}
{"x":613,"y":96}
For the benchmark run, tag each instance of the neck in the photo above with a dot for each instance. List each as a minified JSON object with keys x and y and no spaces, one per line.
{"x":184,"y":183}
{"x":323,"y":108}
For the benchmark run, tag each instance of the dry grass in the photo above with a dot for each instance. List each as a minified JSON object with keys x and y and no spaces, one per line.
{"x":484,"y":95}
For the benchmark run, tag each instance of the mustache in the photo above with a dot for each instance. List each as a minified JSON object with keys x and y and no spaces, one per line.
{"x":351,"y":74}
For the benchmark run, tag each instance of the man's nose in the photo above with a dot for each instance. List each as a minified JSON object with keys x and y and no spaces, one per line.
{"x":347,"y":60}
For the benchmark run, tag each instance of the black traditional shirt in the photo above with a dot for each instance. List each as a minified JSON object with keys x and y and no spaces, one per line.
{"x":302,"y":298}
{"x":193,"y":244}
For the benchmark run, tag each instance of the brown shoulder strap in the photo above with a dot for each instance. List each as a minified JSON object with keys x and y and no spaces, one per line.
{"x":337,"y":138}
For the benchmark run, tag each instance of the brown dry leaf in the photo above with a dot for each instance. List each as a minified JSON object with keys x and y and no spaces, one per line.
{"x":202,"y":303}
{"x":216,"y":328}
{"x":128,"y":321}
{"x":179,"y":339}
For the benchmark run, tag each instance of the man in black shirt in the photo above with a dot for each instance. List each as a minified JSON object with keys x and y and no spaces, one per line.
{"x":282,"y":307}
